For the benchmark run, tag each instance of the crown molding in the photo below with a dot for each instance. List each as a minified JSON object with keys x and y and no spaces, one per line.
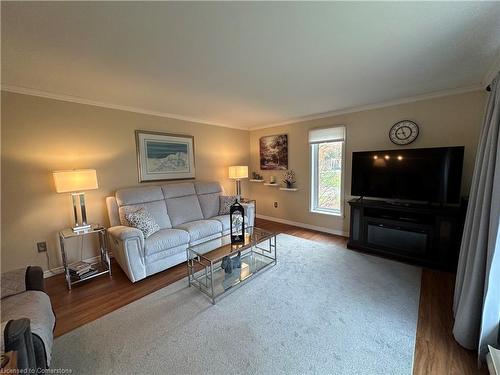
{"x":317,"y":116}
{"x":491,"y":73}
{"x":390,"y":103}
{"x":75,"y":99}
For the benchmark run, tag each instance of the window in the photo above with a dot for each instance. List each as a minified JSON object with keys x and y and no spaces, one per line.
{"x":327,"y":157}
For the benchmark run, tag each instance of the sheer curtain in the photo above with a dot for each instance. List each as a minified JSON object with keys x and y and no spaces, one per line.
{"x":477,"y":289}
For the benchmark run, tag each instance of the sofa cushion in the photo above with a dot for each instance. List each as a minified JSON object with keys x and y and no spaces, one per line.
{"x":201,"y":228}
{"x":35,"y":306}
{"x":179,"y":189}
{"x":209,"y":204}
{"x":204,"y":187}
{"x":165,"y":239}
{"x":184,"y":209}
{"x":208,"y":195}
{"x":148,"y":197}
{"x":125,"y":197}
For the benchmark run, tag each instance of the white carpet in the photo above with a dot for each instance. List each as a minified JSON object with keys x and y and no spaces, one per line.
{"x":320,"y":310}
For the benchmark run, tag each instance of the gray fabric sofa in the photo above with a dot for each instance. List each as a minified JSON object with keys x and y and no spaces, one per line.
{"x":187,"y":213}
{"x":27,"y":318}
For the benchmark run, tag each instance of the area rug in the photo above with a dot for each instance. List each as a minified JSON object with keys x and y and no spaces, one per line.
{"x":321,"y":310}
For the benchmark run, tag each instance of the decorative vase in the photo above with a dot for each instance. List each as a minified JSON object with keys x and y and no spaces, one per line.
{"x":289,"y":184}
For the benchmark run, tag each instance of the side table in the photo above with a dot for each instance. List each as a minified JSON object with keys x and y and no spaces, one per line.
{"x":103,"y":265}
{"x":247,"y":204}
{"x":249,"y":201}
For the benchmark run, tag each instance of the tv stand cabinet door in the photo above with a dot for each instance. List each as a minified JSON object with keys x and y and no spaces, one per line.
{"x":399,"y":238}
{"x":357,"y":232}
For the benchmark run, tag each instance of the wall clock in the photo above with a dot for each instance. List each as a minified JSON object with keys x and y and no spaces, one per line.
{"x":403,"y":132}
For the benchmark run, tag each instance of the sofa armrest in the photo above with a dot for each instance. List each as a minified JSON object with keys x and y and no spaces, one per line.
{"x":34,"y":278}
{"x":127,"y":244}
{"x":18,"y":338}
{"x":122,"y":233}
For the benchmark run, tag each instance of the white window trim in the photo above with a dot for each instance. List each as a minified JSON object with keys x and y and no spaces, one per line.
{"x":314,"y":179}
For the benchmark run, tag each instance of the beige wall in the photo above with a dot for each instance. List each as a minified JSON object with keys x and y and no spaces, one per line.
{"x":447,"y":121}
{"x":41,"y":135}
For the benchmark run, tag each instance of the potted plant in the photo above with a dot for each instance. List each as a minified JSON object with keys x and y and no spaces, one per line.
{"x":289,"y":179}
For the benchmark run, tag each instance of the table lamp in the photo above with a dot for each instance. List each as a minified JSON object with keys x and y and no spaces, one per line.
{"x":237,"y":172}
{"x":75,"y":182}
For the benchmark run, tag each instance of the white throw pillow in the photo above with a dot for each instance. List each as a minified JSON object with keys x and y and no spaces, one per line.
{"x":142,"y":220}
{"x":225,"y":203}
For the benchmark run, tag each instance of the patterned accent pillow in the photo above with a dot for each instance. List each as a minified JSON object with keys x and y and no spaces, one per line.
{"x":225,"y":203}
{"x":142,"y":219}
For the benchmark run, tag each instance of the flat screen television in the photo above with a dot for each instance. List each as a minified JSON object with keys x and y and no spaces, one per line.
{"x":420,"y":174}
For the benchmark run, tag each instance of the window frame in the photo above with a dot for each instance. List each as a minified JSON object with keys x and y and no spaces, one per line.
{"x":313,"y":202}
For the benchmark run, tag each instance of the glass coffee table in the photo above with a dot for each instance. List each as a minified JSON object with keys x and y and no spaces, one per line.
{"x":204,"y":260}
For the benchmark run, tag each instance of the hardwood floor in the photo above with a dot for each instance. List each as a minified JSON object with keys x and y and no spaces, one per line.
{"x":91,"y":300}
{"x":436,"y":352}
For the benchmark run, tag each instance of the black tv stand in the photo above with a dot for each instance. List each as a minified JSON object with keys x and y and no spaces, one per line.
{"x":423,"y":234}
{"x":401,"y":204}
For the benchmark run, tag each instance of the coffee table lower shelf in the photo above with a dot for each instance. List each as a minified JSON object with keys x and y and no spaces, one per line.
{"x":208,"y":276}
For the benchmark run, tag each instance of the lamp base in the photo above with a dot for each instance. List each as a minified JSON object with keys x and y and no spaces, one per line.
{"x":82,"y":228}
{"x":80,"y":224}
{"x":238,"y":189}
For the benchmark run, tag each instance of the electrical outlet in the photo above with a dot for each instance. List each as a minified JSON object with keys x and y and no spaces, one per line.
{"x":41,"y":246}
{"x":275,"y":204}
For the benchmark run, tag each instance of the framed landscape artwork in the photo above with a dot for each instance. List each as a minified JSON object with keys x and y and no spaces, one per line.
{"x":274,"y":152}
{"x":162,"y":156}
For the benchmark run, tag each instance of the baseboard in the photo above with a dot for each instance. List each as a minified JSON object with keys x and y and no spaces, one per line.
{"x":60,"y":269}
{"x":304,"y":225}
{"x":53,"y":272}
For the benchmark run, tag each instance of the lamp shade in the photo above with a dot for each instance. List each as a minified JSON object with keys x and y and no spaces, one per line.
{"x":75,"y":180}
{"x":238,"y":171}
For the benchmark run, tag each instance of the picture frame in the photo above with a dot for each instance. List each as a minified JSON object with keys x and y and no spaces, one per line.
{"x":273,"y":152}
{"x":164,"y":156}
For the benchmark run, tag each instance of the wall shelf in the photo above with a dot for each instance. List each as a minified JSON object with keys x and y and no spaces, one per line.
{"x":288,"y":189}
{"x":252,"y":180}
{"x":269,"y":184}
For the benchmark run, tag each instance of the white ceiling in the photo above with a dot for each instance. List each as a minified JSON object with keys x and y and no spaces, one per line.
{"x":246,"y":64}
